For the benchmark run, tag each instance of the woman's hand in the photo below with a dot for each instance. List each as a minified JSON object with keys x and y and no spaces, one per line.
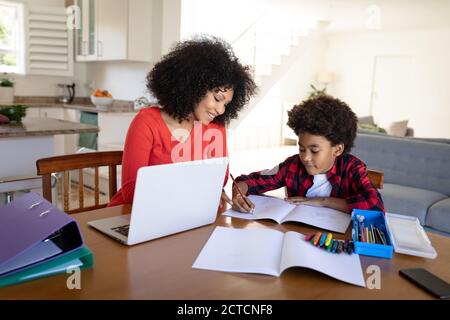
{"x":224,"y":199}
{"x":316,"y":202}
{"x":241,"y":203}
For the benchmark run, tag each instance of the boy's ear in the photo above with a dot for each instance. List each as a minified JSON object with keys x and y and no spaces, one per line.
{"x":338,"y":149}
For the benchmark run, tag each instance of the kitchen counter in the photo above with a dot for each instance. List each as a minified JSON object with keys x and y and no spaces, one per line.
{"x":44,"y":127}
{"x":115,"y":108}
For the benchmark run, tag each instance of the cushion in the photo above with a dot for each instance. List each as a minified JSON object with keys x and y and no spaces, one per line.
{"x":438,"y":216}
{"x":366,"y":120}
{"x":398,"y":128}
{"x":409,"y":201}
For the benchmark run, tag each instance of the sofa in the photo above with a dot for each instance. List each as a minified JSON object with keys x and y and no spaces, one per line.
{"x":416,"y":176}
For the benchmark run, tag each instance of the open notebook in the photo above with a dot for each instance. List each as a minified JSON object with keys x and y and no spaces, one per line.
{"x":270,"y":252}
{"x":282,"y":211}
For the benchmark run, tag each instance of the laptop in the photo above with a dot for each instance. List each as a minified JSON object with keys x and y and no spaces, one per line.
{"x":169,"y":198}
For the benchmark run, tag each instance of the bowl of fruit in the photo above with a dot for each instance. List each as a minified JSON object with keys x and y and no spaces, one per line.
{"x":102,"y":99}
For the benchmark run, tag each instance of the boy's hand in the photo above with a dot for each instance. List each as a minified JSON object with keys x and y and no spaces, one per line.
{"x":242,"y":203}
{"x":316,"y":202}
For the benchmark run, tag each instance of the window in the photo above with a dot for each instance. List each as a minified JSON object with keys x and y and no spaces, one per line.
{"x":11,"y":37}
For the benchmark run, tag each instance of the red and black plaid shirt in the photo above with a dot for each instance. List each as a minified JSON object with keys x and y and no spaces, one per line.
{"x":348,"y":179}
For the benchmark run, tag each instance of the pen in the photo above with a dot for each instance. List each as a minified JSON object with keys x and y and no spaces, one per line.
{"x":239,"y":190}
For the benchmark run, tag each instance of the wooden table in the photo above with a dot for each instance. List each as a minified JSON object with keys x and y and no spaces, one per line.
{"x":162,"y":269}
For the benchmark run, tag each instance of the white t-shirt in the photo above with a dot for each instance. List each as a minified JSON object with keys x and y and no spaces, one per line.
{"x":320,"y":188}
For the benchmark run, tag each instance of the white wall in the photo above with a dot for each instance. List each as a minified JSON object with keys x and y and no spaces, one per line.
{"x":125,"y":80}
{"x":295,"y":85}
{"x":352,"y":56}
{"x":223,"y":19}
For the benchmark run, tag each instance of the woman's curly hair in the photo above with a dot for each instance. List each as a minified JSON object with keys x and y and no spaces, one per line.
{"x":325,"y":116}
{"x":182,"y":78}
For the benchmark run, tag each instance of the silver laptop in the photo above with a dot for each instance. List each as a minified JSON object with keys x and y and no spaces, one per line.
{"x":169,"y":198}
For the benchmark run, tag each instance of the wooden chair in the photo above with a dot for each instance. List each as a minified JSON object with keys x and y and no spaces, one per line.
{"x":376,"y":177}
{"x":47,"y":166}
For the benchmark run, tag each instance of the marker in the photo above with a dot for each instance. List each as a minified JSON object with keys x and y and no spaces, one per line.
{"x":345,"y":246}
{"x":308,"y":237}
{"x":330,"y":245}
{"x":322,"y":239}
{"x":335,"y":246}
{"x":328,"y":241}
{"x":316,"y":238}
{"x":340,"y":246}
{"x":350,"y":247}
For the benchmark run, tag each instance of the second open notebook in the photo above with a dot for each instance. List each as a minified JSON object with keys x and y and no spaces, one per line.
{"x":268,"y":251}
{"x":282,"y":211}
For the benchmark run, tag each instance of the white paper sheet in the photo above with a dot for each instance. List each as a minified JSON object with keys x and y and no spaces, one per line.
{"x":325,"y":218}
{"x":251,"y":251}
{"x":265,"y":208}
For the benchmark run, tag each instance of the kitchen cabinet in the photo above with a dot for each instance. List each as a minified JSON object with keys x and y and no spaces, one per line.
{"x":114,"y":30}
{"x":113,"y":129}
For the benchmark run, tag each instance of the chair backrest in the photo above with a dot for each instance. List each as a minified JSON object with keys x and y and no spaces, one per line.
{"x":376,"y":177}
{"x":64,"y":164}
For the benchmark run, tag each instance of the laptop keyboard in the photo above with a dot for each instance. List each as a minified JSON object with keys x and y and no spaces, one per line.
{"x":122,"y":229}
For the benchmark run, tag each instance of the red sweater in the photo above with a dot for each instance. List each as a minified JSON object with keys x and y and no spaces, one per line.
{"x":150,"y":142}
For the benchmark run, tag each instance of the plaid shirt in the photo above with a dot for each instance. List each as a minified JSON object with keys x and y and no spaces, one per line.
{"x":348,"y":179}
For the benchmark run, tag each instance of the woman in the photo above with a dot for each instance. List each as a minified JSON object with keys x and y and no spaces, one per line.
{"x":200,"y":86}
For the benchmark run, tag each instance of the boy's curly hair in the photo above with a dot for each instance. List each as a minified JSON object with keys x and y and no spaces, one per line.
{"x":325,"y":116}
{"x":182,"y":78}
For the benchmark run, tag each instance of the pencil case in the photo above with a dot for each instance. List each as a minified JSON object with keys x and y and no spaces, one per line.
{"x":370,"y":235}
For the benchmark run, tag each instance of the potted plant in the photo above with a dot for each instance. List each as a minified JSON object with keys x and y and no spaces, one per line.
{"x":14,"y":113}
{"x":316,"y":92}
{"x":6,"y":91}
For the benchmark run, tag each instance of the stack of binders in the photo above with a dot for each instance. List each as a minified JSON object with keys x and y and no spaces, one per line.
{"x":38,"y":240}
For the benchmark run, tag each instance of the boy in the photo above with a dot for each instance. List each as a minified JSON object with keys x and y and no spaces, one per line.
{"x":323,"y":173}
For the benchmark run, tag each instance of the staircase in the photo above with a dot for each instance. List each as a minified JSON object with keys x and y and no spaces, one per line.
{"x":271,"y":50}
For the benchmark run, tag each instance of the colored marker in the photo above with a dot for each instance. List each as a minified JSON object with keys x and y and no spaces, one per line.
{"x":308,"y":237}
{"x":316,"y":238}
{"x":350,"y":247}
{"x":340,"y":246}
{"x":335,"y":246}
{"x":330,"y":246}
{"x":322,"y":239}
{"x":328,"y":241}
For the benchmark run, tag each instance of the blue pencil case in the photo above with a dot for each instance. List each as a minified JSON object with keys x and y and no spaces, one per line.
{"x":370,"y":234}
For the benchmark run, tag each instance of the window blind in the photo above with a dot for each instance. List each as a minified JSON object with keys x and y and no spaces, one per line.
{"x":49,"y":42}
